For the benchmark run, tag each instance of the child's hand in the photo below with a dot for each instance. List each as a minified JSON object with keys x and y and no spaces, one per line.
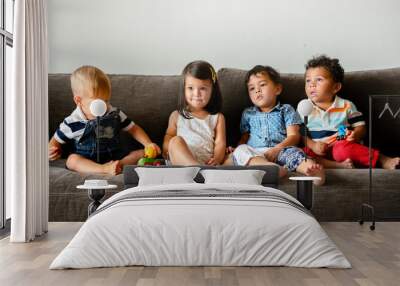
{"x":350,"y":136}
{"x":54,"y":153}
{"x":272,"y":154}
{"x":320,"y":148}
{"x":212,"y":162}
{"x":229,"y":149}
{"x":155,"y":146}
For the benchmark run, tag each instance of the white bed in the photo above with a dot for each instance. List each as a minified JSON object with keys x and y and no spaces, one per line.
{"x":201,"y":224}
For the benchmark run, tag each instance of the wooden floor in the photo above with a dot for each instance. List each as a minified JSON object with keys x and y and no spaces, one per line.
{"x":375,"y":256}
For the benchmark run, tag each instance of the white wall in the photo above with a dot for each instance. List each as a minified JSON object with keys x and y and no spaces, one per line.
{"x":160,"y":36}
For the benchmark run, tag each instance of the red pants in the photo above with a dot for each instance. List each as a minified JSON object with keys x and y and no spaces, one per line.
{"x":343,"y":149}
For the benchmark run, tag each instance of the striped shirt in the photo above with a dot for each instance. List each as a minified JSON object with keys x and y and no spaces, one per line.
{"x":323,"y":124}
{"x":74,"y":125}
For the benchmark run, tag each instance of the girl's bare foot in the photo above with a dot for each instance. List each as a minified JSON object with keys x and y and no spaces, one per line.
{"x":390,"y":163}
{"x":346,"y":164}
{"x":228,"y":160}
{"x":112,"y":168}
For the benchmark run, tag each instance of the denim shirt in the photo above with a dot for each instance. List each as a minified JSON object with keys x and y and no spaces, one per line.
{"x":268,"y":129}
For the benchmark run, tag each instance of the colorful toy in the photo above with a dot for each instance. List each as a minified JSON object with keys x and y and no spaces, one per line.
{"x":150,"y":152}
{"x":150,"y":162}
{"x":342,"y":132}
{"x":149,"y":159}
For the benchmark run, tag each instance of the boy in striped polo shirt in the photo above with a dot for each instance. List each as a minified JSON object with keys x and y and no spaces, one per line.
{"x":79,"y":128}
{"x":323,"y":80}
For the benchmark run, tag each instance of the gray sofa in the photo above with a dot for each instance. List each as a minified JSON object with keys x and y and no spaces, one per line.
{"x":149,"y":100}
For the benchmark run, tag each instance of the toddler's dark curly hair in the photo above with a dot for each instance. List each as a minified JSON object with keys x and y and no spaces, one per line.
{"x":331,"y":65}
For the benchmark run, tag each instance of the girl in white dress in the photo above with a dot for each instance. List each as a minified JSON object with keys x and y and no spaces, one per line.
{"x":196,"y":131}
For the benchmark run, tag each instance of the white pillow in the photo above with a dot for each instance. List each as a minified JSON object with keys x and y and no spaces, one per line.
{"x":163,"y":176}
{"x":249,"y":177}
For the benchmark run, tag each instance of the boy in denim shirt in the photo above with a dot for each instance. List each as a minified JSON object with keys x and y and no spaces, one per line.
{"x":89,"y":83}
{"x":270,"y":130}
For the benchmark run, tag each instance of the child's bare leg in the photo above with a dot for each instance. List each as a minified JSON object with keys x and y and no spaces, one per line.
{"x":389,"y":162}
{"x":179,"y":152}
{"x":132,"y":158}
{"x":310,"y":168}
{"x":330,"y":164}
{"x":81,"y":164}
{"x":259,"y":160}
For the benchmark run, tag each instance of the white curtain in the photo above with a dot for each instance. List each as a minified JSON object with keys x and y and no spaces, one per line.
{"x":27,"y":123}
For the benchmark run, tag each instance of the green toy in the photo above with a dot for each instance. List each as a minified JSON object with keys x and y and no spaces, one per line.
{"x":150,"y":162}
{"x":149,"y":159}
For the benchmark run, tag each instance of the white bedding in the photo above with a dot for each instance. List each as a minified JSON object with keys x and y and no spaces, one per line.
{"x":186,"y":230}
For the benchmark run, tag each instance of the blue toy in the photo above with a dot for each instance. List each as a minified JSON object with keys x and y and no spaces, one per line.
{"x":342,"y":130}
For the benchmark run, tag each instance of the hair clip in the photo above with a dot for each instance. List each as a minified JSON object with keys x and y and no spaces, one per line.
{"x":213,"y":75}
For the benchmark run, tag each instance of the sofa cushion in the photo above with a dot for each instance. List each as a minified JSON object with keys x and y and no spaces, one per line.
{"x":358,"y":86}
{"x":340,"y":198}
{"x":66,"y":202}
